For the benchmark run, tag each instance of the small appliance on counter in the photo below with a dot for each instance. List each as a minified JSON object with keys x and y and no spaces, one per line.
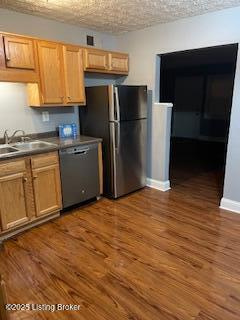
{"x":67,"y":130}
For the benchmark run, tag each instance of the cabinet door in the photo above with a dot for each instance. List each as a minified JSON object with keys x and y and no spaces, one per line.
{"x":19,"y":52}
{"x":13,"y":195}
{"x":46,"y":183}
{"x":51,"y":77}
{"x":118,"y":62}
{"x":73,"y":72}
{"x":96,"y":60}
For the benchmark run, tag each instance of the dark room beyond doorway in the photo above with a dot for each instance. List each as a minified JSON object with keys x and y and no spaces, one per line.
{"x":200,"y":85}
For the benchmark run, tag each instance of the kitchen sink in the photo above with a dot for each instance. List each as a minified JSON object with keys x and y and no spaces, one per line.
{"x":33,"y":145}
{"x":4,"y":150}
{"x":29,"y":146}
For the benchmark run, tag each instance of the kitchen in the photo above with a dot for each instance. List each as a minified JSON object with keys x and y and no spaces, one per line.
{"x":61,"y":86}
{"x":54,"y":77}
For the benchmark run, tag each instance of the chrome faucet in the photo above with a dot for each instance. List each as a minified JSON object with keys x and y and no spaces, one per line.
{"x":5,"y":137}
{"x":8,"y":139}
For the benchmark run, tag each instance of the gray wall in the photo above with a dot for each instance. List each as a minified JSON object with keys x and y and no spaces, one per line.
{"x":211,"y":29}
{"x":15,"y":22}
{"x":232,"y":175}
{"x":14,"y":112}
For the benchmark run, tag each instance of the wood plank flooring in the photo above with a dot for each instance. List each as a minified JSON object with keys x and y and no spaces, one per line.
{"x":148,"y":256}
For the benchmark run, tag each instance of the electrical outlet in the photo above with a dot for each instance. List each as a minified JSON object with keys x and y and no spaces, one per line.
{"x":45,"y":116}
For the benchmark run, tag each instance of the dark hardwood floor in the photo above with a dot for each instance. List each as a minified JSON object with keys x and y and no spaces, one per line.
{"x":148,"y":256}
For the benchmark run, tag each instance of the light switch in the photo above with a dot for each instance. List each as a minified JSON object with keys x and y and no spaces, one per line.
{"x":45,"y":116}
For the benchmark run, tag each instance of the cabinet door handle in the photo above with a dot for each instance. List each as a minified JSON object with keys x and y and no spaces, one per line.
{"x":7,"y":51}
{"x":34,"y":177}
{"x":25,"y":179}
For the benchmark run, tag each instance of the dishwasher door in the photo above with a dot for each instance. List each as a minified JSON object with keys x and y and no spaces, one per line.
{"x":79,"y":174}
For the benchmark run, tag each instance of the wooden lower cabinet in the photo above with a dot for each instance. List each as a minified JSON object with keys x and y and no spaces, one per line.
{"x":30,"y":190}
{"x":14,"y":209}
{"x":47,"y":189}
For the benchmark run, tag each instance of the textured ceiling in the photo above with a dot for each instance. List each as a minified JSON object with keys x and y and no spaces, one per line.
{"x":116,"y":16}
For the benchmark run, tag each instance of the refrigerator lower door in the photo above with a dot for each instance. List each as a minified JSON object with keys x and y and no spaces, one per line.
{"x":128,"y":150}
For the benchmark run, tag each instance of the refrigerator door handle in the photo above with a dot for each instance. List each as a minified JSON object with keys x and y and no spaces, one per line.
{"x":112,"y":99}
{"x":113,"y":162}
{"x":117,"y":135}
{"x":117,"y":105}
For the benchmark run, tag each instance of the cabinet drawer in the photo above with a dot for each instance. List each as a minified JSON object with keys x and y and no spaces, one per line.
{"x":7,"y":168}
{"x":44,"y":160}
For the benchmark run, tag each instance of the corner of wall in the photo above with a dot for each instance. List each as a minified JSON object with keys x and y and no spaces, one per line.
{"x":159,"y":185}
{"x":230,"y":205}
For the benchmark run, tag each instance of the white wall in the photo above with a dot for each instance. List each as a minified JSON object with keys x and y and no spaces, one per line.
{"x":218,"y":28}
{"x":16,"y":22}
{"x":14,"y":113}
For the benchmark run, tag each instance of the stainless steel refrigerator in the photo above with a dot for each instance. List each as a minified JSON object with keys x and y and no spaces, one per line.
{"x":118,"y":114}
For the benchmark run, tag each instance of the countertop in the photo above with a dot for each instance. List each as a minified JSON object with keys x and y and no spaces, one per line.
{"x":58,"y":145}
{"x":71,"y":142}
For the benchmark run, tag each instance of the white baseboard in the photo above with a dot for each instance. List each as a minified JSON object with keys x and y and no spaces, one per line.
{"x":159,"y":185}
{"x":230,"y":205}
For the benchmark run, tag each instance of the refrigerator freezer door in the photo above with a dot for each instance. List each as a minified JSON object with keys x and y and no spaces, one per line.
{"x":132,"y":102}
{"x":129,"y":156}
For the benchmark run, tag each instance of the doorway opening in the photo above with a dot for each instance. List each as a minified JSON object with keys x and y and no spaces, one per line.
{"x":200,"y":83}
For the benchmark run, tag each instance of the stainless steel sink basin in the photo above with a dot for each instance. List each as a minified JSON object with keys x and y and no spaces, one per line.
{"x":10,"y":149}
{"x":20,"y":147}
{"x":4,"y":150}
{"x":33,"y":145}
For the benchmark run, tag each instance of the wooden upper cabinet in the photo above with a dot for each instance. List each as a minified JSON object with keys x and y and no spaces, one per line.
{"x":2,"y":54}
{"x":54,"y":72}
{"x":51,"y":77}
{"x":96,"y":59}
{"x":13,"y":199}
{"x":18,"y":61}
{"x":118,"y":62}
{"x":73,"y":74}
{"x":46,"y":183}
{"x":19,"y":52}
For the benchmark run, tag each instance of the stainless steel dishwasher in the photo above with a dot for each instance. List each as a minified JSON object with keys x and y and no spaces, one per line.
{"x":79,"y":174}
